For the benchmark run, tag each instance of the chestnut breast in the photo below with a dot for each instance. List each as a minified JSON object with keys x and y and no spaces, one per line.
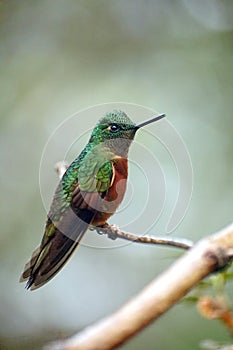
{"x":115,"y":194}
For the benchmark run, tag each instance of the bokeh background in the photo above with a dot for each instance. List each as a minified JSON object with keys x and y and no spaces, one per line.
{"x":58,"y":57}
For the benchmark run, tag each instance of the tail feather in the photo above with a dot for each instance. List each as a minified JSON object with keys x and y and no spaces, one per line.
{"x":28,"y":267}
{"x":48,"y":269}
{"x":49,"y":258}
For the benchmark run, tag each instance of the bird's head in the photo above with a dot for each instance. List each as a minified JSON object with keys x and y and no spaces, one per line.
{"x":116,"y":130}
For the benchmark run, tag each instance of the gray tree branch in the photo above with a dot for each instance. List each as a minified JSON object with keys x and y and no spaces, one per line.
{"x":206,"y":256}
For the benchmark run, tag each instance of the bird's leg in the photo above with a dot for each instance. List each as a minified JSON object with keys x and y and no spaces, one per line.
{"x":106,"y":229}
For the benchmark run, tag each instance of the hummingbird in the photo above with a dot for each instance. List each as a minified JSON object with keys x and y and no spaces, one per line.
{"x":89,"y":192}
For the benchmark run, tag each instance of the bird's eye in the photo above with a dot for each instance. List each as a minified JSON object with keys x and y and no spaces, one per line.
{"x":113,"y":128}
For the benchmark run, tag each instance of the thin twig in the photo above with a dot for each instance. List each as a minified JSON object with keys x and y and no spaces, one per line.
{"x":60,"y":168}
{"x":113,"y":232}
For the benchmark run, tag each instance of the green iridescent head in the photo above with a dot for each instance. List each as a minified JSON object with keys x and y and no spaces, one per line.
{"x":113,"y":125}
{"x":116,"y":130}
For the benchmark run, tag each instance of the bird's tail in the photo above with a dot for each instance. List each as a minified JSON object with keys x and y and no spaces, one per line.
{"x":56,"y":248}
{"x":47,"y":261}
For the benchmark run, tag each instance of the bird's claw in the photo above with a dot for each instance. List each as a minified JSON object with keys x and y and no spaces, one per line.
{"x":110,"y":230}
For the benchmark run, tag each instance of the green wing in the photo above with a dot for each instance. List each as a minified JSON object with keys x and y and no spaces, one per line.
{"x":69,"y":217}
{"x":95,"y":173}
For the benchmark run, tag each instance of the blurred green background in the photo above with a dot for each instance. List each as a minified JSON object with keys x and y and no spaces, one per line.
{"x":58,"y":57}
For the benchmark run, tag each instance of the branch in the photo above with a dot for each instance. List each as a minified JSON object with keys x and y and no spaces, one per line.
{"x":208,"y":255}
{"x":113,"y":232}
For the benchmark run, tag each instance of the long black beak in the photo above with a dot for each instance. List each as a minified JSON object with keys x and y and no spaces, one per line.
{"x":152,"y":120}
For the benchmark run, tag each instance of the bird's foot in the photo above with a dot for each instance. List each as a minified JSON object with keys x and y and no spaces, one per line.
{"x":110,"y":230}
